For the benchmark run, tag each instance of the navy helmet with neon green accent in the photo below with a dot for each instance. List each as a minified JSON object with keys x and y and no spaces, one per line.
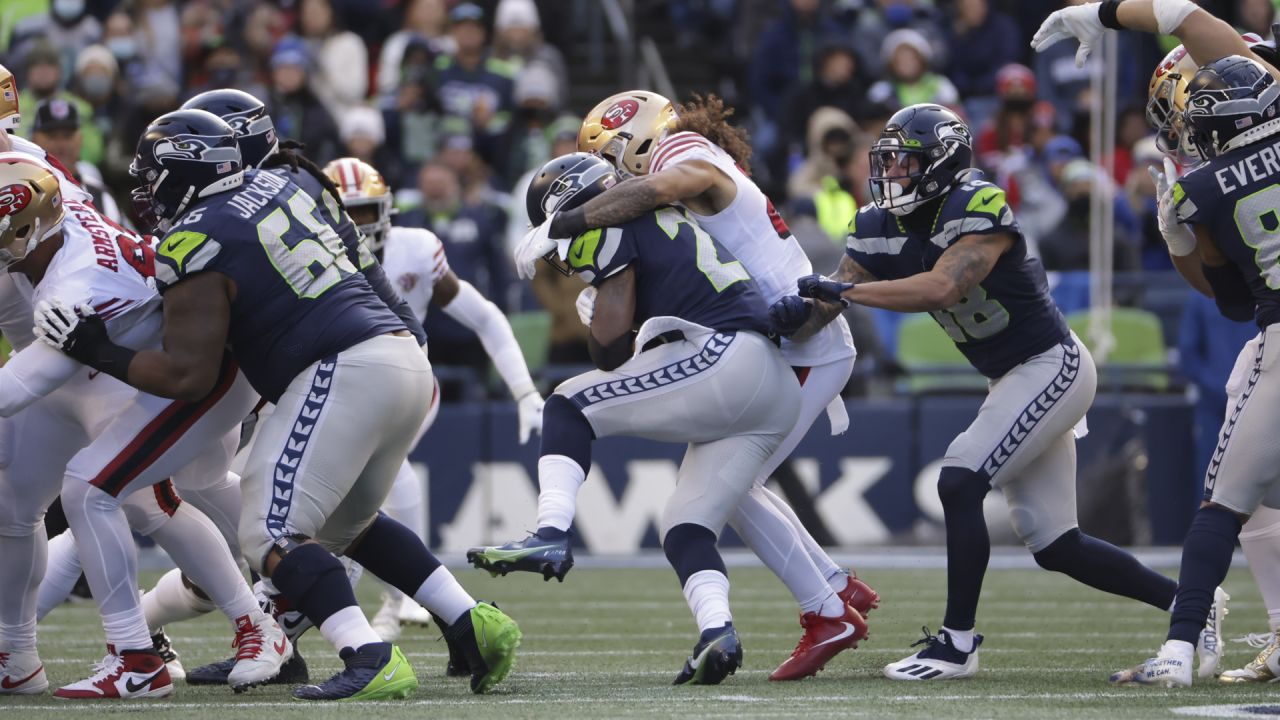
{"x":1231,"y":102}
{"x":923,"y":151}
{"x":565,"y":183}
{"x":183,"y":156}
{"x":247,"y":116}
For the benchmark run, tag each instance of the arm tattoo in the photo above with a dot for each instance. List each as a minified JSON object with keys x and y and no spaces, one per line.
{"x":825,"y":312}
{"x":627,"y":201}
{"x":966,"y":264}
{"x":851,"y":271}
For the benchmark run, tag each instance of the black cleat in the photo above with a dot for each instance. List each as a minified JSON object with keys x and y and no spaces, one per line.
{"x":376,"y":671}
{"x":550,"y":558}
{"x":164,"y":648}
{"x":717,"y":655}
{"x":293,"y":672}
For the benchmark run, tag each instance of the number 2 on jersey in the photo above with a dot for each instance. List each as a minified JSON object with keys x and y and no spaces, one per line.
{"x":721,"y":275}
{"x":315,"y":263}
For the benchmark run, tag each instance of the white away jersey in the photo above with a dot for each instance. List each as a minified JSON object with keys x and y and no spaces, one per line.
{"x":414,"y":260}
{"x":756,"y":234}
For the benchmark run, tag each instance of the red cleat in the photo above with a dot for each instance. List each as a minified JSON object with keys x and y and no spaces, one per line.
{"x":859,"y":595}
{"x":823,"y":639}
{"x":130,"y":674}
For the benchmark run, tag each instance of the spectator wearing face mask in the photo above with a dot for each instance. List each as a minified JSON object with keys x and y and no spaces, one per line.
{"x":426,"y":22}
{"x":57,"y":129}
{"x":517,"y":39}
{"x":67,"y":26}
{"x":296,"y":110}
{"x":119,"y":36}
{"x":96,"y":81}
{"x":44,"y":81}
{"x":222,"y":66}
{"x":1067,"y":246}
{"x":527,"y":144}
{"x":875,"y":19}
{"x":907,"y":56}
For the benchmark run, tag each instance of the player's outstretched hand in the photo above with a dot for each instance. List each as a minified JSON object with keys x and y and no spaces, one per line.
{"x":820,"y":287}
{"x":71,"y":330}
{"x":1078,"y":21}
{"x":529,"y":412}
{"x":789,"y":314}
{"x":1180,"y":238}
{"x":586,"y":305}
{"x":535,"y":244}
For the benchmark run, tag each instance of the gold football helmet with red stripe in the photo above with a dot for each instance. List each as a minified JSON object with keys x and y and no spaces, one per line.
{"x":359,"y":186}
{"x":9,"y":115}
{"x":625,"y":129}
{"x":30,"y":205}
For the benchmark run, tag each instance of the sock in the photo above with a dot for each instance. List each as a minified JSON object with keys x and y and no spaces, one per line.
{"x":22,"y":564}
{"x":1260,"y":541}
{"x":1106,"y":567}
{"x":1206,"y":557}
{"x":821,"y":560}
{"x":62,"y":572}
{"x":774,"y":540}
{"x":968,"y":545}
{"x":407,"y":505}
{"x":961,"y":640}
{"x":110,"y":562}
{"x":559,"y":478}
{"x":200,"y":552}
{"x":707,"y":593}
{"x":171,"y":601}
{"x":315,"y":582}
{"x":348,"y":628}
{"x":395,"y":555}
{"x":441,"y":594}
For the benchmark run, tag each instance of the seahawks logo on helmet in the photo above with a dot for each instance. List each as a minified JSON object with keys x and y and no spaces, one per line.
{"x":563,"y":188}
{"x":953,"y":130}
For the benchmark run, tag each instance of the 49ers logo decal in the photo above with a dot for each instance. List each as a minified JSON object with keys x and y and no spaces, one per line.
{"x":14,"y":199}
{"x":619,"y":114}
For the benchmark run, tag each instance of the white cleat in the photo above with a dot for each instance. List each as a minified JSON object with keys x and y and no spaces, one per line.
{"x":261,"y":649}
{"x":939,"y":660}
{"x":1209,"y":648}
{"x":1171,"y":667}
{"x":164,"y":646}
{"x":129,"y":675}
{"x":386,"y":622}
{"x":411,"y":613}
{"x":1263,"y":668}
{"x":22,"y":673}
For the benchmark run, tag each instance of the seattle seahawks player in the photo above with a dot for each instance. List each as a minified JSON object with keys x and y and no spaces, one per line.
{"x":699,"y":370}
{"x":251,"y":262}
{"x":937,"y":239}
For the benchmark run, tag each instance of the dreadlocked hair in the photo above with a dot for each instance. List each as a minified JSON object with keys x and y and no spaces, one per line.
{"x":709,"y":117}
{"x":290,"y":155}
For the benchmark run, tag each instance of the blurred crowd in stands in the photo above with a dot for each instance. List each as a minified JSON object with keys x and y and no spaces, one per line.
{"x":456,"y":102}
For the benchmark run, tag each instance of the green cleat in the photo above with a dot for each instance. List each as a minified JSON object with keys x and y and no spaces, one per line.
{"x":377,"y":671}
{"x":488,"y":638}
{"x":552,"y":558}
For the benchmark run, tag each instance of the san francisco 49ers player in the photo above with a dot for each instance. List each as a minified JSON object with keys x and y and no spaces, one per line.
{"x":111,"y":443}
{"x":691,"y":156}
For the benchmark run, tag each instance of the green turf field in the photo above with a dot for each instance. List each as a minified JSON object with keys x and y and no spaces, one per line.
{"x":608,"y":642}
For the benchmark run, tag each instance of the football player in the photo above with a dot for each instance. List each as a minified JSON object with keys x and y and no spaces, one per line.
{"x":251,"y":262}
{"x":693,"y":157}
{"x":938,"y":239}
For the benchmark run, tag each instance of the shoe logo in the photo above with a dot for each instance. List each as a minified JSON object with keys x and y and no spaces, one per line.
{"x":8,"y":684}
{"x":848,"y":630}
{"x":133,"y":687}
{"x":291,"y":620}
{"x":391,"y":673}
{"x":282,"y":646}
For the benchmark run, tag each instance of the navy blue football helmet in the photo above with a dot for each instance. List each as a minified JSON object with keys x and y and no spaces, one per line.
{"x":247,"y":116}
{"x":183,"y":156}
{"x":565,"y":183}
{"x":929,"y":146}
{"x":1231,"y":102}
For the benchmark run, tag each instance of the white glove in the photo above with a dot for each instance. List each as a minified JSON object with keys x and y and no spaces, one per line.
{"x":1078,"y":21}
{"x":529,"y":412}
{"x":535,"y":244}
{"x":586,"y":305}
{"x":1180,"y":238}
{"x":55,"y":320}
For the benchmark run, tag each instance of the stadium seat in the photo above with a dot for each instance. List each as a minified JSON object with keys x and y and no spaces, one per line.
{"x":932,"y":360}
{"x":1139,"y":359}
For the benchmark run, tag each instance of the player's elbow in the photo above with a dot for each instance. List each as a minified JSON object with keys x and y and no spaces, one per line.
{"x":942,"y":294}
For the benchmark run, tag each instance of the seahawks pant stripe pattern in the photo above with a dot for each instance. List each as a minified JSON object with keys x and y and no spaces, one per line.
{"x":161,"y":433}
{"x":1211,"y":475}
{"x":284,"y":476}
{"x":663,"y":376}
{"x":167,"y":497}
{"x":1035,"y":410}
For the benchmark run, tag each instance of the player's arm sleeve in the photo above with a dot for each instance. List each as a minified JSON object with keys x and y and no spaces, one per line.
{"x":484,"y":318}
{"x":599,"y":254}
{"x":34,"y":372}
{"x":1230,"y":291}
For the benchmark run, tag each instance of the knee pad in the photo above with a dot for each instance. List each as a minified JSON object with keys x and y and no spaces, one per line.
{"x":692,"y":548}
{"x":961,"y":486}
{"x":565,"y":431}
{"x":79,"y":496}
{"x":147,"y":510}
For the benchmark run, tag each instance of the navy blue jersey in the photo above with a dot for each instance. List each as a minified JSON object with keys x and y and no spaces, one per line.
{"x":680,"y":271}
{"x":1236,"y":197}
{"x":1006,"y":318}
{"x":299,"y":298}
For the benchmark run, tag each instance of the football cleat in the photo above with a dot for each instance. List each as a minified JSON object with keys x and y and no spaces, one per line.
{"x":717,"y":655}
{"x":1262,"y":668}
{"x":386,"y":622}
{"x":411,"y":613}
{"x":551,"y":558}
{"x":487,"y":639}
{"x":127,"y":675}
{"x":292,"y":621}
{"x":164,"y":647}
{"x":1209,"y":648}
{"x":939,"y":660}
{"x":823,"y":639}
{"x":22,"y":673}
{"x":859,"y":595}
{"x":293,"y":672}
{"x":1171,"y":667}
{"x":376,"y":671}
{"x":261,"y":650}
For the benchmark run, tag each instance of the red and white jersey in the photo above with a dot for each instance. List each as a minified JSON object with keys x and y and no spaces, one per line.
{"x":71,"y":190}
{"x":756,"y":234}
{"x":414,"y":260}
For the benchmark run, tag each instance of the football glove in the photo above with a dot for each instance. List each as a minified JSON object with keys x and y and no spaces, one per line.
{"x":1079,"y":21}
{"x":532,"y":247}
{"x":1180,"y":238}
{"x":71,"y":330}
{"x":586,"y":305}
{"x":529,"y":412}
{"x":819,"y":287}
{"x":789,"y":314}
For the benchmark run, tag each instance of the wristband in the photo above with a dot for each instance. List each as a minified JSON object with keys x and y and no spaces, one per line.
{"x":1107,"y":14}
{"x":106,"y":357}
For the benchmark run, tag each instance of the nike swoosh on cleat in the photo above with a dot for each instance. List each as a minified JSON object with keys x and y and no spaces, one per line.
{"x":135,"y":687}
{"x":8,"y":684}
{"x":388,"y":675}
{"x":291,"y":624}
{"x":281,"y":646}
{"x":496,"y":554}
{"x":848,"y":630}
